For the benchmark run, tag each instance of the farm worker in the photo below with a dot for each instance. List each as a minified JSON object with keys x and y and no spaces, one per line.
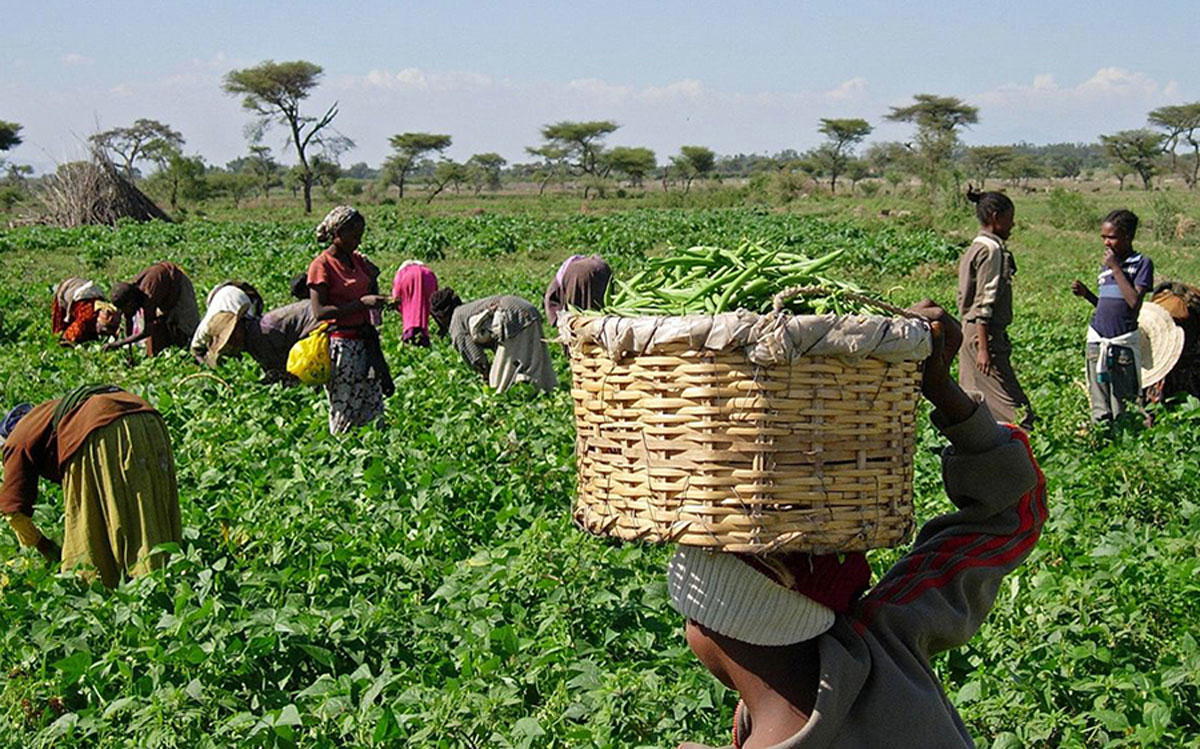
{"x":817,"y":664}
{"x":340,"y":283}
{"x":267,"y":339}
{"x":985,"y":275}
{"x":110,"y":451}
{"x":159,"y":306}
{"x":1113,"y":341}
{"x":412,"y":290}
{"x":1182,"y":302}
{"x":231,"y":296}
{"x":510,"y":325}
{"x":79,"y":312}
{"x":581,"y":282}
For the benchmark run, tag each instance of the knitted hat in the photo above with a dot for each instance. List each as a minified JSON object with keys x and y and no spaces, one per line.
{"x":769,"y":601}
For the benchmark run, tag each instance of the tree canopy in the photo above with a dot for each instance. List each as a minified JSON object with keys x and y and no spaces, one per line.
{"x":1139,"y":150}
{"x":693,"y":162}
{"x":634,"y":162}
{"x":843,"y":135}
{"x":411,"y":148}
{"x":1180,"y":122}
{"x":582,"y":145}
{"x":274,"y":91}
{"x":9,"y":135}
{"x":129,"y":144}
{"x":938,"y":119}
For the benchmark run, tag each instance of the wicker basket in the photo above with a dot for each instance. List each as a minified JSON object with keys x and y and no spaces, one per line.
{"x":745,"y":445}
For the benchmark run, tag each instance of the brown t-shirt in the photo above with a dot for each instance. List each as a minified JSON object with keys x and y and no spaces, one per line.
{"x":34,"y":449}
{"x":161,"y":285}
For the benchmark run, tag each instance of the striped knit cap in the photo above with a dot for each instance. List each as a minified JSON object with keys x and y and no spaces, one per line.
{"x":768,"y":601}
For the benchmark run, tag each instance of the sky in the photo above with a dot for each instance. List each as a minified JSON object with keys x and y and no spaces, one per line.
{"x":736,"y":77}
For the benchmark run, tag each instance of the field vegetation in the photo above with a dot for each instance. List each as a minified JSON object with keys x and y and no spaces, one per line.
{"x":424,"y":583}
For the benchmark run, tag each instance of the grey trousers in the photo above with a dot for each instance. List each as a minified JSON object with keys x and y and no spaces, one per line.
{"x":1001,"y":390}
{"x":1110,"y":399}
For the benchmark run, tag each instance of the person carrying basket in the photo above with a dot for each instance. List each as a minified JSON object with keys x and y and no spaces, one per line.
{"x":817,"y":661}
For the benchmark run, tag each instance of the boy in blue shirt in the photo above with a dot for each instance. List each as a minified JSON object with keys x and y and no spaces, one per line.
{"x":1113,"y":366}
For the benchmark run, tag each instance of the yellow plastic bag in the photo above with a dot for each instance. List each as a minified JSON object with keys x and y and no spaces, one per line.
{"x":308,"y":358}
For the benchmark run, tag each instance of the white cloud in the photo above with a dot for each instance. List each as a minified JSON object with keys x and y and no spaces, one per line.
{"x":851,"y":89}
{"x":1106,"y":82}
{"x":416,"y":79}
{"x":74,"y":58}
{"x":1045,"y":110}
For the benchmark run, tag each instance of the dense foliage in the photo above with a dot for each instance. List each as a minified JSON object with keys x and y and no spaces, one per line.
{"x":424,"y":582}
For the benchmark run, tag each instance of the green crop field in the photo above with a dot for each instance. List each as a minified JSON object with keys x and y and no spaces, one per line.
{"x":424,"y":585}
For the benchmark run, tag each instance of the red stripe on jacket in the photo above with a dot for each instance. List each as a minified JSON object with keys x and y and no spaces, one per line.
{"x":1032,"y":512}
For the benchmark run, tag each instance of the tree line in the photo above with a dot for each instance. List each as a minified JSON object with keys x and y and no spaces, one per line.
{"x":575,"y":152}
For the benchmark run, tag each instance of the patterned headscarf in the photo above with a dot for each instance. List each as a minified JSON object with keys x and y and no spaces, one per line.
{"x":12,"y":417}
{"x":334,"y":221}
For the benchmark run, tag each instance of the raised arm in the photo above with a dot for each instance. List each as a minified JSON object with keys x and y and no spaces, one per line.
{"x":938,"y":595}
{"x":1131,"y":295}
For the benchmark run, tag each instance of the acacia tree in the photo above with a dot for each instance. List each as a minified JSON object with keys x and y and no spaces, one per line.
{"x":274,"y":91}
{"x":553,"y":164}
{"x":181,"y":176}
{"x":843,"y":136}
{"x":984,"y":161}
{"x":264,"y":168}
{"x":693,"y":162}
{"x":634,"y":163}
{"x":484,"y":170}
{"x":410,"y":149}
{"x":938,"y":120}
{"x":10,"y":135}
{"x":1180,"y":121}
{"x":447,"y":172}
{"x":129,"y":144}
{"x":1137,"y":149}
{"x":582,"y":146}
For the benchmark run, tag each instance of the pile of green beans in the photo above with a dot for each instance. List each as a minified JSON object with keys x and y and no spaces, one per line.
{"x":712,"y":280}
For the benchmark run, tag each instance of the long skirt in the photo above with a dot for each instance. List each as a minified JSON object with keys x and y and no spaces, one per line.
{"x":1001,"y":390}
{"x":120,"y":500}
{"x":355,"y":398}
{"x":523,"y":358}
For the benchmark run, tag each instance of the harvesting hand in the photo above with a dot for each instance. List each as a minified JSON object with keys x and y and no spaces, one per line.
{"x":374,"y":301}
{"x":49,"y":550}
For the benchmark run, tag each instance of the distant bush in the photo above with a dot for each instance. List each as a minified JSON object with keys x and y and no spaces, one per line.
{"x":1070,"y":210}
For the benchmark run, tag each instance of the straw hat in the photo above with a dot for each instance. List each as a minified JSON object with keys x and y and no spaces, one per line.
{"x":227,"y":337}
{"x":1161,"y":342}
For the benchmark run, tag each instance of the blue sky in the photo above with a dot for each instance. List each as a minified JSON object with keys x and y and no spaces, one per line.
{"x":754,"y":79}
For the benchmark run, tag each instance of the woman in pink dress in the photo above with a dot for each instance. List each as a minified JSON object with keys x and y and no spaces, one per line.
{"x":412,"y":289}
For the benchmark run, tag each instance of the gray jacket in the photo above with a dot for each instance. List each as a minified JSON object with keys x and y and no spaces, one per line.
{"x":877,"y":688}
{"x":516,"y":314}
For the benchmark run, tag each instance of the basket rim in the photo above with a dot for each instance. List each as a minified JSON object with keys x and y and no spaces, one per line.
{"x":767,"y":338}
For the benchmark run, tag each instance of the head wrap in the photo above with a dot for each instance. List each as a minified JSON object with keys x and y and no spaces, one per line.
{"x":12,"y":417}
{"x":334,"y":221}
{"x":768,"y":601}
{"x":105,"y":307}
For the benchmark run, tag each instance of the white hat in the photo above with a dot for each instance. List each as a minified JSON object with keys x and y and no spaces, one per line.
{"x":729,"y":596}
{"x":1161,"y":342}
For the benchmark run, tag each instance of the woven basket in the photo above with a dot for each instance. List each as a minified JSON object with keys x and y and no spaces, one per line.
{"x":734,"y":447}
